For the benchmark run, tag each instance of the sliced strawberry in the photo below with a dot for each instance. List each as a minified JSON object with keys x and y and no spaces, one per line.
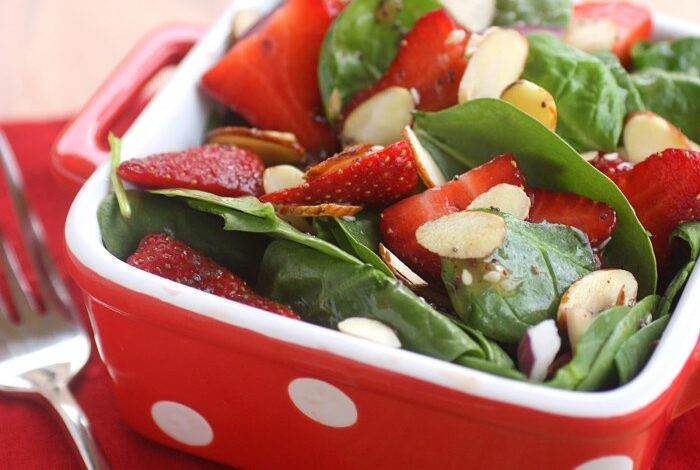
{"x":167,"y":257}
{"x":373,"y":180}
{"x":430,"y":60}
{"x":611,"y":164}
{"x":399,"y":222}
{"x":270,"y":76}
{"x":596,"y":219}
{"x":664,"y":190}
{"x":221,"y":169}
{"x":633,"y":22}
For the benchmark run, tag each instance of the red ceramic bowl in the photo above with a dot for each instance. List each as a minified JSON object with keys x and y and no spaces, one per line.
{"x":256,"y":390}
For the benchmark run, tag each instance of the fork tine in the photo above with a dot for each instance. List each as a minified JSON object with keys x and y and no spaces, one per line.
{"x":21,"y":294}
{"x":51,"y":285}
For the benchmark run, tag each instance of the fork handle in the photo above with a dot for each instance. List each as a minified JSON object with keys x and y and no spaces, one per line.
{"x":77,"y":425}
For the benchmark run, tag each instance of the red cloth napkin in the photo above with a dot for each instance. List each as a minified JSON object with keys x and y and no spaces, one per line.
{"x":31,"y":438}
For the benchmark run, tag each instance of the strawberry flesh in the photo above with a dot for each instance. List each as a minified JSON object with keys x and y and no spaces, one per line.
{"x":595,"y":219}
{"x":430,"y":60}
{"x":398,"y":223}
{"x":611,"y":164}
{"x":221,"y":169}
{"x":664,"y":190}
{"x":270,"y":76}
{"x":167,"y":257}
{"x":373,"y":180}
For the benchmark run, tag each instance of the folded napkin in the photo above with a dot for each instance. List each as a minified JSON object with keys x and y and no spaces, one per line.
{"x":31,"y":438}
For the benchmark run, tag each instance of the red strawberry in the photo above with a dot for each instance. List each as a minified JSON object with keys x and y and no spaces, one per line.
{"x":270,"y":76}
{"x":596,"y":219}
{"x":398,"y":223}
{"x":371,"y":180}
{"x":430,"y":59}
{"x":664,"y":190}
{"x":611,"y":164}
{"x":221,"y":169}
{"x":167,"y":257}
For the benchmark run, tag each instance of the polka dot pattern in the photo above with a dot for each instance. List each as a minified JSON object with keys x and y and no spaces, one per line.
{"x":182,"y":423}
{"x":323,"y":402}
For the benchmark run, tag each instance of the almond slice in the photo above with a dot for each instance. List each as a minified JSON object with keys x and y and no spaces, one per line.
{"x":506,"y":198}
{"x":276,"y":178}
{"x":380,"y":119}
{"x":319,"y":210}
{"x":475,"y":15}
{"x":534,"y":100}
{"x":428,"y":170}
{"x":370,"y":329}
{"x":590,"y":155}
{"x":591,"y":34}
{"x":273,"y":147}
{"x":590,"y":295}
{"x":242,"y":22}
{"x":400,"y":270}
{"x":646,"y":133}
{"x":347,"y":157}
{"x":463,"y":235}
{"x":498,"y":60}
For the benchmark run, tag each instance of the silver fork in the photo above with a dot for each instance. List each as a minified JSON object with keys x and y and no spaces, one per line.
{"x":42,"y":352}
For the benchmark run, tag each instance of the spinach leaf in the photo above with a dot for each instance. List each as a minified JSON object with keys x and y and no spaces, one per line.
{"x":636,"y":351}
{"x":492,"y":351}
{"x":690,"y":232}
{"x":248,"y":214}
{"x":533,"y":12}
{"x":360,"y":45}
{"x":476,"y":131}
{"x":325,"y":290}
{"x":240,"y":252}
{"x":629,"y":92}
{"x":588,"y":347}
{"x":490,"y":367}
{"x":541,"y":262}
{"x":115,"y":145}
{"x":358,"y":235}
{"x":682,"y":55}
{"x":602,"y":371}
{"x":673,"y":95}
{"x":590,"y":108}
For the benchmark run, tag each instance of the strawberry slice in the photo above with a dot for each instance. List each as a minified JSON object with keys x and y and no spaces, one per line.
{"x":375,"y":179}
{"x":430,"y":60}
{"x":270,"y":76}
{"x":595,"y":219}
{"x":664,"y":190}
{"x":167,"y":257}
{"x":611,"y":164}
{"x":221,"y":169}
{"x":398,"y":223}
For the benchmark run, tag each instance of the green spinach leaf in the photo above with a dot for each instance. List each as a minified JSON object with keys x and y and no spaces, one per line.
{"x":673,"y":95}
{"x":360,"y":45}
{"x":629,"y":92}
{"x":476,"y":131}
{"x":115,"y":145}
{"x":636,"y":351}
{"x":590,"y":108}
{"x":690,"y":232}
{"x":681,"y":55}
{"x":240,"y":252}
{"x":325,"y":290}
{"x":533,"y":12}
{"x":541,"y":262}
{"x":492,"y":351}
{"x":491,"y":367}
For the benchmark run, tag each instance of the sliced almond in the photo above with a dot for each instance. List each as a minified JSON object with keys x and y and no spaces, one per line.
{"x":646,"y":133}
{"x":498,"y":60}
{"x":590,"y":295}
{"x":534,"y":100}
{"x":475,"y":15}
{"x":276,"y":178}
{"x":273,"y":147}
{"x":400,"y":270}
{"x":591,"y":34}
{"x":381,"y":118}
{"x":347,"y":157}
{"x":463,"y":235}
{"x":370,"y":329}
{"x":428,"y":170}
{"x":506,"y":198}
{"x":242,"y":22}
{"x":590,"y":156}
{"x":319,"y":210}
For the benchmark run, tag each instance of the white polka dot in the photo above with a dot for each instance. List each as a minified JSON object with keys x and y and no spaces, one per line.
{"x":182,"y":423}
{"x":609,"y":462}
{"x":323,"y":402}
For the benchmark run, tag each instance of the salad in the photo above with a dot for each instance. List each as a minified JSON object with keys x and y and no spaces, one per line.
{"x":512,"y":186}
